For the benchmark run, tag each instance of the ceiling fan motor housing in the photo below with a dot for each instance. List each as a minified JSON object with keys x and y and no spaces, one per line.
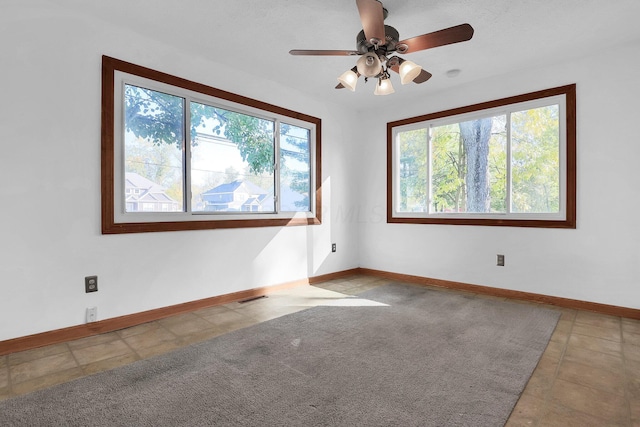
{"x":391,"y":37}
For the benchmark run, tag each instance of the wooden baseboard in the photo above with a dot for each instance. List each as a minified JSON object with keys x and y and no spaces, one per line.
{"x":332,"y":276}
{"x":612,"y":310}
{"x":109,"y":325}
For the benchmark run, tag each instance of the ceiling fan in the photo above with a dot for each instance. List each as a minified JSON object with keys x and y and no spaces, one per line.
{"x":377,"y":41}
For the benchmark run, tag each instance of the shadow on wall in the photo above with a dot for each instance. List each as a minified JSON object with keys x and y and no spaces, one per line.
{"x":320,"y":239}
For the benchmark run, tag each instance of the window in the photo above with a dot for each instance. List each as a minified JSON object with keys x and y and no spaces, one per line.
{"x":509,"y":162}
{"x":178,"y":155}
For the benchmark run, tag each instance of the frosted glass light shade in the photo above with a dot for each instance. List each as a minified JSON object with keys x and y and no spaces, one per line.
{"x":369,"y":65}
{"x":408,"y":71}
{"x":384,"y":87}
{"x":349,"y":79}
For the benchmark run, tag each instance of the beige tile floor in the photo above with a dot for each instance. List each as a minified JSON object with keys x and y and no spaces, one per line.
{"x":589,"y":374}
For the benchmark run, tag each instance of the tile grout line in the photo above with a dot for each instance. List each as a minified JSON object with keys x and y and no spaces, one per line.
{"x":627,"y":397}
{"x":75,"y":359}
{"x":547,"y":399}
{"x":591,"y":387}
{"x":176,"y":338}
{"x":133,"y":351}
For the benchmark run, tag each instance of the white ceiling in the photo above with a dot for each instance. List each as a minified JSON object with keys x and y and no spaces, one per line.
{"x":510,"y":35}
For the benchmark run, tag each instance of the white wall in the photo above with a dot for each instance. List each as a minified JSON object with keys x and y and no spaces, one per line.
{"x":599,"y":261}
{"x":50,"y":185}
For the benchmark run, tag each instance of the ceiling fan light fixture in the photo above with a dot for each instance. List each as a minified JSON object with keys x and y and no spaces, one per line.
{"x":376,"y":40}
{"x":384,"y":86}
{"x":349,"y":79}
{"x":369,"y":65}
{"x":409,"y":70}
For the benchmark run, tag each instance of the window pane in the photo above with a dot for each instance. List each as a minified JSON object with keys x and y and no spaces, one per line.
{"x":412,"y":171}
{"x":498,"y":165}
{"x":295,"y":169}
{"x":153,"y":150}
{"x":469,"y":166}
{"x":448,"y":169}
{"x":535,"y":157}
{"x":232,"y":157}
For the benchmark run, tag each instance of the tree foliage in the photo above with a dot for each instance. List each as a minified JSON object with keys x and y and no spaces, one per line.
{"x":468,"y":165}
{"x":154,"y":116}
{"x":449,"y":167}
{"x":413,"y":171}
{"x":160,"y":118}
{"x":535,"y":164}
{"x":253,"y":136}
{"x":295,"y":162}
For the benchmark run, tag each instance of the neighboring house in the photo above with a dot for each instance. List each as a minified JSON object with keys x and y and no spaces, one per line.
{"x":143,"y":195}
{"x":242,"y":196}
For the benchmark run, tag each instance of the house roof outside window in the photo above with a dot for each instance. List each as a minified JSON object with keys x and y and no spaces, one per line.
{"x":139,"y":189}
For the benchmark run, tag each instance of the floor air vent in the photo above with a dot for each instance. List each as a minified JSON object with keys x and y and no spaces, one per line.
{"x":252,"y":299}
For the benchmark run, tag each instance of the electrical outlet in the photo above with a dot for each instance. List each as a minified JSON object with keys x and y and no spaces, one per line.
{"x":91,"y":284}
{"x":333,"y":247}
{"x":500,"y":260}
{"x":92,"y":314}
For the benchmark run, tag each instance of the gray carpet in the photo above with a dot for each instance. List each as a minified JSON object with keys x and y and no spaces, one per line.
{"x":429,"y":358}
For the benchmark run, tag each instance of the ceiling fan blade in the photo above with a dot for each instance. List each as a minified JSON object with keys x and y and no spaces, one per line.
{"x":422,"y":77}
{"x":324,"y":52}
{"x":339,"y":86}
{"x":372,"y":18}
{"x":459,"y":33}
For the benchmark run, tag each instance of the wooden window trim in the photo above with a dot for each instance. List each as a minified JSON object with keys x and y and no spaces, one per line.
{"x":570,"y":194}
{"x":109,"y":226}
